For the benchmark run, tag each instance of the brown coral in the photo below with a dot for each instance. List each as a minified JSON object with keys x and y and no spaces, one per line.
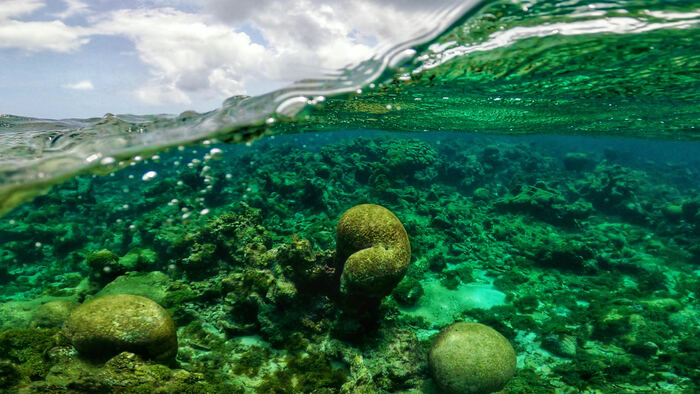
{"x":108,"y":325}
{"x":373,"y":251}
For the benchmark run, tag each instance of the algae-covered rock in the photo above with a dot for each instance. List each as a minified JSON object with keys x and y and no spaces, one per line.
{"x":471,"y":358}
{"x":151,"y":285}
{"x":115,"y":323}
{"x":53,"y":313}
{"x":373,"y":251}
{"x":137,"y":259}
{"x":104,"y":266}
{"x":408,"y":292}
{"x":124,"y":373}
{"x":23,"y":355}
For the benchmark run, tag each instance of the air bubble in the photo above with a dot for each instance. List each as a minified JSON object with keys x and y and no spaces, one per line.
{"x":149,"y":175}
{"x":92,"y":157}
{"x":216,"y":153}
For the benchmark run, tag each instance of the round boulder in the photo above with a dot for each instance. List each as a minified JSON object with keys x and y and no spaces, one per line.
{"x":373,"y":251}
{"x":471,"y":358}
{"x":109,"y":325}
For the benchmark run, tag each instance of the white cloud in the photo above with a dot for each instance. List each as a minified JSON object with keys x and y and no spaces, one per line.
{"x":238,"y":12}
{"x":186,"y":53}
{"x":82,"y":85}
{"x":15,"y":8}
{"x":73,"y":7}
{"x":203,"y":54}
{"x":39,"y":36}
{"x":35,"y":36}
{"x":307,"y":37}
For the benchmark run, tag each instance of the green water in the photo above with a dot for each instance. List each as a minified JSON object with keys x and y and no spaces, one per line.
{"x":542,"y":158}
{"x":509,"y":70}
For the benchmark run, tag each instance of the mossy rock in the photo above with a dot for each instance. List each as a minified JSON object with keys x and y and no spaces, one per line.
{"x":249,"y":363}
{"x":9,"y":375}
{"x":471,"y":358}
{"x":53,"y":313}
{"x":25,"y":349}
{"x":104,"y":266}
{"x":106,"y":326}
{"x":373,"y":251}
{"x":304,"y":373}
{"x":151,"y":285}
{"x":408,"y":292}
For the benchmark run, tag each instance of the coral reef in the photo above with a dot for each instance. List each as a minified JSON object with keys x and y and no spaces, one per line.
{"x":586,"y":262}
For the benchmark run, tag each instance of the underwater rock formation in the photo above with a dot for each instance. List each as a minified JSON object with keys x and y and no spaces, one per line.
{"x":593,"y":299}
{"x":108,"y":325}
{"x":471,"y":358}
{"x":53,"y":313}
{"x":373,"y":251}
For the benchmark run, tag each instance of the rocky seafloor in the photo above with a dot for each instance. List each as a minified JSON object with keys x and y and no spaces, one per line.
{"x":586,"y":258}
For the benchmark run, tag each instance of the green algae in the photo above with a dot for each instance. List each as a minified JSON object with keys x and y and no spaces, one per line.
{"x":26,"y":350}
{"x":250,"y":362}
{"x":303,"y":374}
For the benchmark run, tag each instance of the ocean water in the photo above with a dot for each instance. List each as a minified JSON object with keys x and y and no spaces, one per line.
{"x":543,"y":158}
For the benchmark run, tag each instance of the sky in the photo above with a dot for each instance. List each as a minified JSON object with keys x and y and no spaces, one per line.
{"x":84,"y":58}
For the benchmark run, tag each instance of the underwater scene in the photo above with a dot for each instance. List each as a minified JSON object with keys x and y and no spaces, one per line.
{"x":508,"y":202}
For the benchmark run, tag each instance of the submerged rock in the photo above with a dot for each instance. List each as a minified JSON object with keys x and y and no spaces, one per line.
{"x":53,"y":313}
{"x":104,"y":266}
{"x":408,"y":292}
{"x":562,"y":345}
{"x":578,"y":162}
{"x":112,"y":324}
{"x":471,"y":358}
{"x":373,"y":249}
{"x":151,"y":285}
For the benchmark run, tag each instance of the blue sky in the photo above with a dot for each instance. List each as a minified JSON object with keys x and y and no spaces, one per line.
{"x":80,"y":58}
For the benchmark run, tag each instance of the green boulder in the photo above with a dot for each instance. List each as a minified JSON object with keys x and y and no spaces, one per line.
{"x":106,"y":326}
{"x":373,"y":251}
{"x":471,"y":358}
